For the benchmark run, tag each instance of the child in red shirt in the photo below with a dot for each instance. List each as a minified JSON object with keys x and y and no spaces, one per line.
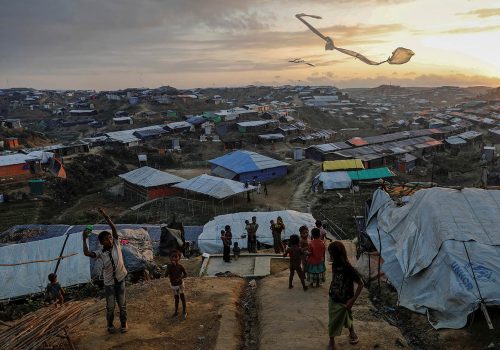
{"x":177,"y":273}
{"x":316,"y":261}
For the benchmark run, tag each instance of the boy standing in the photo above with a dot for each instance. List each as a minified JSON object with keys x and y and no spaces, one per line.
{"x":252,"y":235}
{"x":54,"y":290}
{"x":236,"y":251}
{"x":114,"y":272}
{"x":176,"y":274}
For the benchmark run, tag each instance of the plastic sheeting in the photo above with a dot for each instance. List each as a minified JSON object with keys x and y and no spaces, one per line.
{"x":332,"y":180}
{"x":27,"y":279}
{"x":424,"y":247}
{"x":215,"y":187}
{"x":209,"y":241}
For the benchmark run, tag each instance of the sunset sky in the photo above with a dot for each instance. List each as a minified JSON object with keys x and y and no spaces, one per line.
{"x":112,"y":44}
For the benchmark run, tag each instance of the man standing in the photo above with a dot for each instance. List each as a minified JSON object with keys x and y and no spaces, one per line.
{"x":252,"y":235}
{"x":114,"y":272}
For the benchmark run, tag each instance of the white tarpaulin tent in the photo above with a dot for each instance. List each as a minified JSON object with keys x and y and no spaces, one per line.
{"x":209,"y":241}
{"x":332,"y":180}
{"x":26,"y":279}
{"x":441,"y":250}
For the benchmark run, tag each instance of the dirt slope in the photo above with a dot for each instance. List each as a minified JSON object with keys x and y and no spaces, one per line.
{"x":211,"y":306}
{"x":294,"y":319}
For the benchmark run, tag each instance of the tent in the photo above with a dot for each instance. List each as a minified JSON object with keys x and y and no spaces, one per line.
{"x":27,"y":279}
{"x":25,"y":243}
{"x":209,"y":241}
{"x":325,"y":181}
{"x":441,"y":250}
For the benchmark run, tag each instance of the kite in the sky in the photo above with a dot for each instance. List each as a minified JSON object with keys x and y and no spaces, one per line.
{"x":300,"y":60}
{"x":399,"y":56}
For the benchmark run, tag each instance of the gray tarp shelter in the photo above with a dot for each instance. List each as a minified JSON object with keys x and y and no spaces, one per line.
{"x":441,"y":250}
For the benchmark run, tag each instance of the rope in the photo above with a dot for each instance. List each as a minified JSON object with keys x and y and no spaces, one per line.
{"x":40,"y":261}
{"x":473,"y":273}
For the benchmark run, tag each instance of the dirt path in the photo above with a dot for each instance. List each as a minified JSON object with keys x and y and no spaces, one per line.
{"x":294,"y":319}
{"x":211,"y":306}
{"x":298,"y":199}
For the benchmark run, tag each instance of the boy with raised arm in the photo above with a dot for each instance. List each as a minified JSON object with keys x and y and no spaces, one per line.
{"x":114,"y":271}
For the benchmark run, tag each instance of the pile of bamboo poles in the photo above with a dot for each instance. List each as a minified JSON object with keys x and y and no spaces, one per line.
{"x":40,"y":328}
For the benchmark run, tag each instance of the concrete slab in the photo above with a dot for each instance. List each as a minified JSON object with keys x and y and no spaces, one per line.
{"x":248,"y":265}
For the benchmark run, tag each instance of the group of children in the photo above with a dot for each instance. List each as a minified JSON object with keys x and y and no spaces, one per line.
{"x":308,"y":257}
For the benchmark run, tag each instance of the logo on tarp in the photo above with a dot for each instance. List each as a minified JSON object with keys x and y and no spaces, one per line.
{"x":481,"y":272}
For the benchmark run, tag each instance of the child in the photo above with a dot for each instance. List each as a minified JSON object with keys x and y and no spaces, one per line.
{"x":236,"y":251}
{"x":176,"y":274}
{"x":316,"y":260}
{"x":295,"y":254}
{"x":304,"y":245}
{"x":114,"y":271}
{"x":54,"y":290}
{"x":342,"y":295}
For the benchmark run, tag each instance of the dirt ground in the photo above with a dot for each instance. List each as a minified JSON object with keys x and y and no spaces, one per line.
{"x":301,"y":318}
{"x":211,"y":305}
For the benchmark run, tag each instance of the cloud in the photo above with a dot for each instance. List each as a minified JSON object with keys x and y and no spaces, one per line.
{"x":467,"y":30}
{"x":482,"y":13}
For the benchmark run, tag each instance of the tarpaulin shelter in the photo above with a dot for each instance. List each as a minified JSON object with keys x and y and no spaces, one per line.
{"x":346,"y":164}
{"x":325,"y":181}
{"x":370,"y":174}
{"x":441,"y":250}
{"x":22,"y":243}
{"x":210,"y":242}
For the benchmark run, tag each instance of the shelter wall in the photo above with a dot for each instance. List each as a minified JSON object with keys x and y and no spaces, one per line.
{"x":14,"y":170}
{"x":264,"y":175}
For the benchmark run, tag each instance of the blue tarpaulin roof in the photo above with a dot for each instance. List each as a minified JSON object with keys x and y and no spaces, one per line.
{"x":245,"y":161}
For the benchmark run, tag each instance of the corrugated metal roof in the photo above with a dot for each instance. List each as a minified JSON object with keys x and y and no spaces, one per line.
{"x":332,"y":165}
{"x":212,"y":186}
{"x":13,"y":159}
{"x":150,"y":177}
{"x":254,"y":123}
{"x":246,"y":161}
{"x":370,"y":174}
{"x":357,"y":141}
{"x":178,"y":125}
{"x":272,"y":137}
{"x":223,"y":172}
{"x":469,"y":135}
{"x":331,"y":147}
{"x":455,"y":140}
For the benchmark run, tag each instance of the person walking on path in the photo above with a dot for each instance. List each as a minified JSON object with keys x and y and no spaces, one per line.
{"x":316,"y":261}
{"x":341,"y":294}
{"x":114,"y":271}
{"x":295,"y":254}
{"x":265,"y":189}
{"x":252,"y":235}
{"x":176,"y":274}
{"x":259,"y":186}
{"x":277,"y":228}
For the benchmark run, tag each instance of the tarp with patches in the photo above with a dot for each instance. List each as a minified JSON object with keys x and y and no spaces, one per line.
{"x":441,"y":250}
